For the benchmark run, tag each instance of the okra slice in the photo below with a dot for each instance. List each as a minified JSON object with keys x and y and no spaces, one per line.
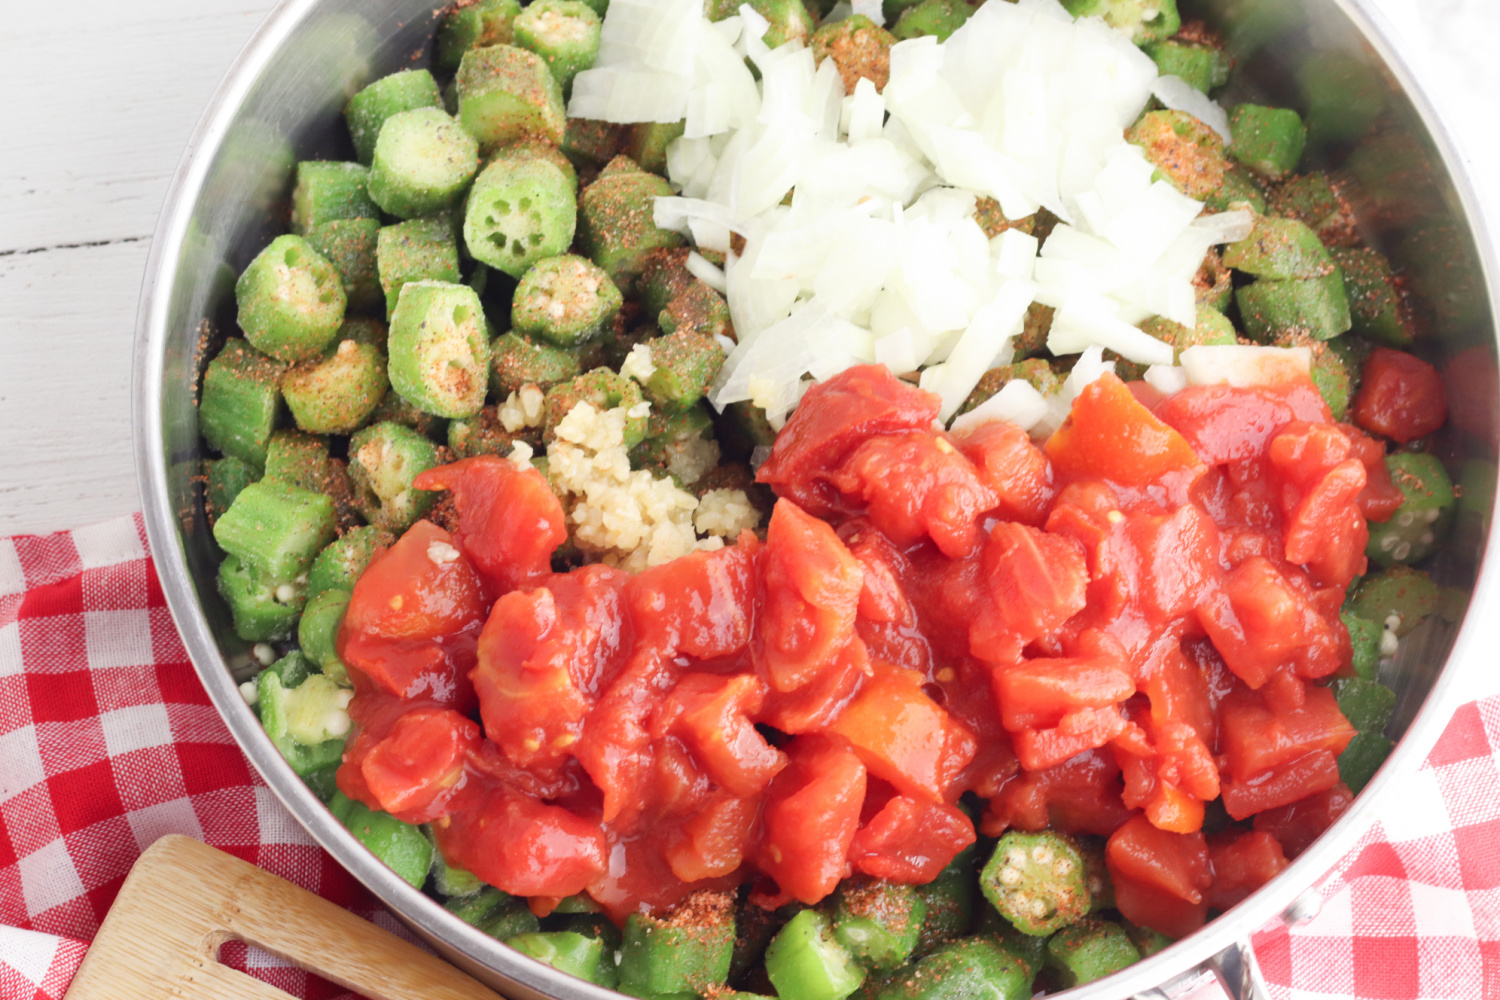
{"x":1361,"y":758}
{"x":1034,"y":371}
{"x":603,"y":390}
{"x":240,"y":400}
{"x":328,"y":190}
{"x":1088,"y":950}
{"x":440,"y":348}
{"x":1424,"y":518}
{"x":589,"y":144}
{"x":938,"y":18}
{"x":520,"y":212}
{"x":524,"y":150}
{"x":276,"y":529}
{"x":1211,"y":328}
{"x":685,"y":952}
{"x":1147,"y":941}
{"x":395,"y":409}
{"x":491,"y":910}
{"x":1279,"y":248}
{"x":1187,"y":152}
{"x":506,"y":93}
{"x":973,"y":969}
{"x":699,"y":309}
{"x":879,"y":922}
{"x":685,"y":364}
{"x":291,"y":300}
{"x":566,"y":951}
{"x":418,"y":250}
{"x":423,"y":161}
{"x":1364,"y":637}
{"x":1273,"y":310}
{"x":1141,"y":20}
{"x":1376,"y":308}
{"x":1330,"y":374}
{"x":788,"y":20}
{"x":565,"y":33}
{"x":474,"y":26}
{"x":1037,"y":881}
{"x":341,"y":562}
{"x":263,"y":609}
{"x":616,"y":222}
{"x":1241,"y":187}
{"x":564,"y":300}
{"x":319,"y":628}
{"x":1397,"y":599}
{"x":451,"y":882}
{"x":482,"y":434}
{"x":297,"y":459}
{"x":951,"y":900}
{"x":517,"y":361}
{"x":337,"y":393}
{"x":1203,"y":66}
{"x":350,"y":246}
{"x":1366,"y":704}
{"x":400,"y":846}
{"x":383,"y":460}
{"x":1267,"y":140}
{"x":308,"y":722}
{"x":368,"y":110}
{"x":805,"y":961}
{"x":226,"y":477}
{"x":1310,"y":199}
{"x":646,"y":143}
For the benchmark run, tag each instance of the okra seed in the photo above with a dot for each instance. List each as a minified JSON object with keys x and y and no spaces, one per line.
{"x":1015,"y":857}
{"x":286,"y":593}
{"x":1388,"y":542}
{"x":263,"y":653}
{"x":1427,"y":538}
{"x":1432,"y":515}
{"x":1041,"y":854}
{"x":1392,"y":622}
{"x":1061,"y":867}
{"x":1009,"y":876}
{"x":1405,"y":518}
{"x":250,"y":691}
{"x":1389,"y":644}
{"x":1038,"y":908}
{"x":1402,"y":551}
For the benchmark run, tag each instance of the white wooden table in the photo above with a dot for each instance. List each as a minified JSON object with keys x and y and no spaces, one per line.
{"x":98,"y":116}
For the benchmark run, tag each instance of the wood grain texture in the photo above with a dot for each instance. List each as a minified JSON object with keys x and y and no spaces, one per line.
{"x":183,"y":899}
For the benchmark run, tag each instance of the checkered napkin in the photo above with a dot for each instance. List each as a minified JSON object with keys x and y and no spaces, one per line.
{"x":107,"y":742}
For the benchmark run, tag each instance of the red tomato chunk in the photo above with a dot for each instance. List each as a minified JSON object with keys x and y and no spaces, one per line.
{"x":1101,"y":635}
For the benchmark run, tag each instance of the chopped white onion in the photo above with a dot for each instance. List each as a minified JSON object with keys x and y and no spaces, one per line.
{"x":873,"y":9}
{"x":1179,"y":95}
{"x":1017,"y":403}
{"x":707,"y":272}
{"x":1244,"y":366}
{"x":1168,"y":380}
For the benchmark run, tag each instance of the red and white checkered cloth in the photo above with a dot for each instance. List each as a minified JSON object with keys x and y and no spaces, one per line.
{"x":107,"y":742}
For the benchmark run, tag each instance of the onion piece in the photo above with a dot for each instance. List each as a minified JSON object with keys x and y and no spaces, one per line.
{"x":702,"y":269}
{"x":1244,"y":366}
{"x":1168,"y":380}
{"x":1179,"y":95}
{"x":1017,"y":403}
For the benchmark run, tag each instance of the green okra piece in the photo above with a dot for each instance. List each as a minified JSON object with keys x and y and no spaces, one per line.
{"x":474,"y":26}
{"x":1280,"y":248}
{"x":418,"y":250}
{"x":476,"y":908}
{"x":1032,"y":370}
{"x":858,"y":47}
{"x":1366,"y":704}
{"x":350,"y":246}
{"x":383,"y":460}
{"x":1203,"y":66}
{"x":788,"y":20}
{"x":506,"y":93}
{"x":951,"y":900}
{"x":517,"y":361}
{"x":396,"y":409}
{"x":879,"y":922}
{"x":276,"y":528}
{"x":1330,"y":374}
{"x":481,"y":434}
{"x":1096,"y":874}
{"x":1088,"y":950}
{"x":602,"y":389}
{"x":685,"y":952}
{"x":993,"y":221}
{"x":1311,"y":199}
{"x":297,"y":459}
{"x":1344,"y":96}
{"x":1147,"y":941}
{"x":451,"y":882}
{"x":323,"y":782}
{"x":646,"y":143}
{"x":977,"y":967}
{"x":307,"y":721}
{"x":695,"y":421}
{"x":327,"y":191}
{"x":318,"y":631}
{"x":1037,"y":881}
{"x":564,"y":33}
{"x":338,"y":392}
{"x":400,"y":846}
{"x":520,"y":212}
{"x":663,"y":276}
{"x":686,"y":364}
{"x":440,"y":348}
{"x":1364,"y":637}
{"x":226,"y":477}
{"x":263,"y":609}
{"x":1419,"y":525}
{"x":589,"y":144}
{"x":616,"y":221}
{"x":564,"y":300}
{"x":937,"y":18}
{"x":806,"y":961}
{"x":1376,"y":309}
{"x":291,"y":300}
{"x":1213,"y":285}
{"x":1361,"y":758}
{"x":368,"y":110}
{"x":1273,"y":310}
{"x":1241,"y":187}
{"x":697,"y":309}
{"x":567,"y":951}
{"x":1267,"y":140}
{"x":423,"y":161}
{"x":341,"y":562}
{"x":1397,"y":599}
{"x":240,"y":401}
{"x":754,"y":927}
{"x":1142,"y":21}
{"x":524,"y":150}
{"x":1211,"y":328}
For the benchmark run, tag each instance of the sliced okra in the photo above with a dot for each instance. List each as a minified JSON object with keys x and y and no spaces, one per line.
{"x":400,"y":846}
{"x":517,"y":361}
{"x":1187,"y":152}
{"x":589,"y":144}
{"x":806,"y":961}
{"x":699,"y":309}
{"x":1420,"y":524}
{"x":449,"y":881}
{"x":240,"y":401}
{"x":318,"y":630}
{"x":616,"y":220}
{"x":423,"y":161}
{"x":1204,"y":66}
{"x":396,"y":409}
{"x":646,"y":142}
{"x":1037,"y":881}
{"x":440,"y":348}
{"x":291,"y":300}
{"x":520,"y":212}
{"x":338,"y":392}
{"x":298,"y":459}
{"x":1267,"y":140}
{"x":576,"y":954}
{"x":1241,"y":187}
{"x":506,"y":93}
{"x":383,"y":460}
{"x":328,"y":190}
{"x":263,"y":609}
{"x":685,"y":364}
{"x":474,"y":26}
{"x":1376,"y":308}
{"x":1280,"y":248}
{"x":390,"y":95}
{"x":1366,"y":704}
{"x":276,"y":529}
{"x":1364,"y":638}
{"x":482,"y":434}
{"x":483,"y":907}
{"x":1361,"y":758}
{"x":1310,"y":199}
{"x":951,"y":900}
{"x":418,"y":250}
{"x":1033,"y":371}
{"x":937,"y":18}
{"x":1213,"y":285}
{"x":307,"y":721}
{"x":524,"y":150}
{"x":350,"y":246}
{"x":1211,"y":328}
{"x":687,"y":951}
{"x":565,"y":33}
{"x":1397,"y":599}
{"x":341,"y":562}
{"x":226,"y":477}
{"x":603,"y":390}
{"x":1147,"y":941}
{"x":1141,"y":20}
{"x":1272,"y":310}
{"x":564,"y":300}
{"x":788,"y":20}
{"x":973,"y":968}
{"x":1088,"y":950}
{"x":879,"y":922}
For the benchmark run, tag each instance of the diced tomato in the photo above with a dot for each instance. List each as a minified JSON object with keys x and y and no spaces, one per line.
{"x":509,"y":520}
{"x":1224,"y":424}
{"x":1381,"y":497}
{"x":615,"y":747}
{"x":1108,"y":435}
{"x":1080,"y":730}
{"x":1038,"y":692}
{"x":1400,"y":396}
{"x":1282,"y":785}
{"x":1296,"y":825}
{"x":543,"y":656}
{"x":522,"y":846}
{"x":640,"y":878}
{"x":910,"y":841}
{"x":1146,"y":905}
{"x":815,"y":706}
{"x":701,"y":604}
{"x":903,"y":736}
{"x":1179,"y":559}
{"x":1081,"y":795}
{"x":1013,"y":467}
{"x":811,"y":814}
{"x":810,"y":586}
{"x":887,"y":622}
{"x":712,"y":715}
{"x":1262,"y":621}
{"x":678,"y":786}
{"x":414,"y":770}
{"x":1241,"y":865}
{"x":830,"y":422}
{"x":420,"y":588}
{"x":1175,"y":863}
{"x":714,"y":842}
{"x":1255,"y":738}
{"x":1034,"y":580}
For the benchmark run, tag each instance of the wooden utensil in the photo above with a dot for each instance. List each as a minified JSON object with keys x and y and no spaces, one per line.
{"x":183,"y":899}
